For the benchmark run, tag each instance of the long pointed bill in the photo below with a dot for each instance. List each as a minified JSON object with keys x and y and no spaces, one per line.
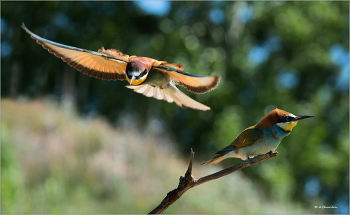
{"x":302,"y":117}
{"x":132,"y":79}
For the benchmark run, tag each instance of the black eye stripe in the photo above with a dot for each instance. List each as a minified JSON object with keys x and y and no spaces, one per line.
{"x":286,"y":119}
{"x":137,"y":77}
{"x":143,"y":73}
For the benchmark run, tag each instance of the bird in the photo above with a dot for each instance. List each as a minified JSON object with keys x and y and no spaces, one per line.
{"x":147,"y":76}
{"x":261,"y":138}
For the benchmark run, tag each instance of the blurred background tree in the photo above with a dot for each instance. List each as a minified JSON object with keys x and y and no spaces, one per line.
{"x":290,"y":55}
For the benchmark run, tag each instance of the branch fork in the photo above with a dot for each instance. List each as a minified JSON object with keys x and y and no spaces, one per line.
{"x":188,"y":181}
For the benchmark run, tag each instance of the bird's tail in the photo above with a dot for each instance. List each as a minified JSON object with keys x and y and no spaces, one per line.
{"x":169,"y":93}
{"x":182,"y":99}
{"x":216,"y":159}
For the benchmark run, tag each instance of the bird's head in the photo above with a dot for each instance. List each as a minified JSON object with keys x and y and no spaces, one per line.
{"x":283,"y":119}
{"x":288,"y":121}
{"x":136,"y":72}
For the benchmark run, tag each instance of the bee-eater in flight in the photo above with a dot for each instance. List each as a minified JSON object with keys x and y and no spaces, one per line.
{"x":147,"y":76}
{"x":260,"y":138}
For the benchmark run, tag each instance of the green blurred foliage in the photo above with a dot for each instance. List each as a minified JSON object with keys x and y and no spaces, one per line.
{"x":290,"y":55}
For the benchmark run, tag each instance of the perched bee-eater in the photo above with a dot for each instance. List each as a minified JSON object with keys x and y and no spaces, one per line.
{"x":260,"y":138}
{"x":147,"y":76}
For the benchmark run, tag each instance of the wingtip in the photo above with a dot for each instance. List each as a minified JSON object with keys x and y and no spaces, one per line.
{"x":217,"y":79}
{"x":24,"y":26}
{"x":205,"y":108}
{"x":211,"y":82}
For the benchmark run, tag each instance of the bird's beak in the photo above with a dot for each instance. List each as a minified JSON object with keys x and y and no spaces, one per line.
{"x":302,"y":117}
{"x":132,"y":79}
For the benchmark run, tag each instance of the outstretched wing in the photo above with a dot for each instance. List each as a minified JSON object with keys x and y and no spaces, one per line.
{"x":248,"y":137}
{"x":194,"y":83}
{"x":168,"y":93}
{"x":104,"y":64}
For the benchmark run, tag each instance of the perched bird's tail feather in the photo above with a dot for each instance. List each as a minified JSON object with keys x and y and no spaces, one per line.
{"x":216,"y":159}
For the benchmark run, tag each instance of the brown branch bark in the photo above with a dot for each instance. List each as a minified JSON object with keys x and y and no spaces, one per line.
{"x":188,"y":181}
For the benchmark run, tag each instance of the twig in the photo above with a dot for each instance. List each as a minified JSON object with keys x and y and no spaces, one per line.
{"x":187,"y":182}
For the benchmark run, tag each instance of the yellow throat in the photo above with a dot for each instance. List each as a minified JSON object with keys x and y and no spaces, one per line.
{"x":287,"y":126}
{"x":137,"y":81}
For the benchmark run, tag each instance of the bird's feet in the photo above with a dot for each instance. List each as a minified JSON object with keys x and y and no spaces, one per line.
{"x":250,"y":160}
{"x":270,"y":152}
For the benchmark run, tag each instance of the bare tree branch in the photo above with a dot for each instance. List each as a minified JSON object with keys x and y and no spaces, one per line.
{"x":187,"y":182}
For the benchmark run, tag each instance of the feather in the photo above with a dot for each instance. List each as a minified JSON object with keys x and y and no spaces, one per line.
{"x":194,"y":83}
{"x":216,"y":159}
{"x":170,"y":94}
{"x":100,"y":65}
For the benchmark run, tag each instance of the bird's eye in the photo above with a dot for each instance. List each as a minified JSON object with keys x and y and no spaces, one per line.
{"x":285,"y":119}
{"x":289,"y":119}
{"x":143,"y":73}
